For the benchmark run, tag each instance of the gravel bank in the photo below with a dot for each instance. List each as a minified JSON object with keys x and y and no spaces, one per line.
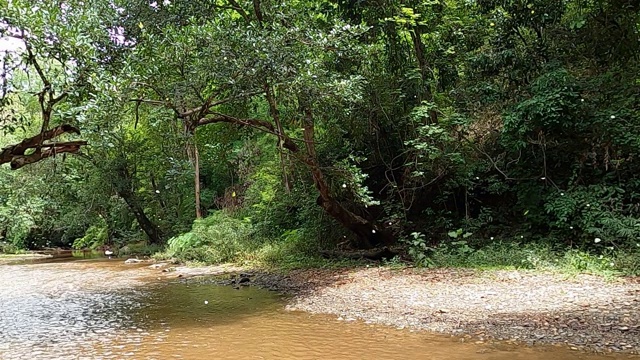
{"x":583,"y":312}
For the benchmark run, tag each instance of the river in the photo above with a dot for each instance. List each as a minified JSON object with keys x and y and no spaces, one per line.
{"x":104,"y":309}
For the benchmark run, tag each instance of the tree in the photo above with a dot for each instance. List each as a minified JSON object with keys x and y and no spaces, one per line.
{"x":45,"y":66}
{"x":67,"y":49}
{"x":201,"y":72}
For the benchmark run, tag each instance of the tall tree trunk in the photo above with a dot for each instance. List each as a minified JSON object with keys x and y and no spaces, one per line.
{"x":196,"y":166}
{"x":275,"y":114}
{"x":194,"y":158}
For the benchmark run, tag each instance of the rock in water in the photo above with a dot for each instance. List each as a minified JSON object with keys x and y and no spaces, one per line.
{"x":133,"y":261}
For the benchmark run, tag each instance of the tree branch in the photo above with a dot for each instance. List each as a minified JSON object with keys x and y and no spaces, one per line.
{"x":211,"y":103}
{"x":23,"y":160}
{"x":235,"y":6}
{"x":261,"y":125}
{"x":151,"y":102}
{"x":16,"y":152}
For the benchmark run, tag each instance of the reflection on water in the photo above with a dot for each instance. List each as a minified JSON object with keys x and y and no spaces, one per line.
{"x":50,"y":310}
{"x":106,"y":310}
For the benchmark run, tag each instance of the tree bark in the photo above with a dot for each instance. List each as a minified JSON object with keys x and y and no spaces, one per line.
{"x":275,"y":114}
{"x":196,"y":166}
{"x":194,"y":158}
{"x":149,"y":228}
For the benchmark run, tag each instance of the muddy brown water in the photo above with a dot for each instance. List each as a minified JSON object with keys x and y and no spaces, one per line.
{"x":104,"y":309}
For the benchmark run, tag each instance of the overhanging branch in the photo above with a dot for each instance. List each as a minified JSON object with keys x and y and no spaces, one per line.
{"x":261,"y":125}
{"x":59,"y":148}
{"x":15,"y":154}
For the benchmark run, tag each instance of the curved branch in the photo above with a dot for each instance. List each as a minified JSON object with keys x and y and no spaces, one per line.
{"x":235,"y":6}
{"x":16,"y":153}
{"x":59,"y":148}
{"x":262,"y":125}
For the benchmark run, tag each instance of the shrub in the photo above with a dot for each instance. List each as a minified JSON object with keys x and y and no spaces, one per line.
{"x":95,"y":236}
{"x":8,"y":248}
{"x":216,"y":239}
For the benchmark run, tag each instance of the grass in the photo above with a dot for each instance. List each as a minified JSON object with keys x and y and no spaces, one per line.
{"x":139,"y":249}
{"x":269,"y":255}
{"x":221,"y":238}
{"x":286,"y":256}
{"x":512,"y":255}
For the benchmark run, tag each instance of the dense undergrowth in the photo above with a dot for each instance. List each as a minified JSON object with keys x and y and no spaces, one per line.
{"x":220,"y":238}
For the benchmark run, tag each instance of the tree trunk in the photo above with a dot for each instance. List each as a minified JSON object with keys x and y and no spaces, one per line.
{"x":124,"y":190}
{"x":149,"y":228}
{"x":196,"y":165}
{"x":275,"y":114}
{"x":194,"y":157}
{"x":368,"y":233}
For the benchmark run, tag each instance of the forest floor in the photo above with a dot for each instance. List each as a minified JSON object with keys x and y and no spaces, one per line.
{"x":583,"y":312}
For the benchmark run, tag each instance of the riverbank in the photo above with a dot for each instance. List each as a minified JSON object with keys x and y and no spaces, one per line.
{"x":581,"y":312}
{"x":14,"y":258}
{"x":106,"y":308}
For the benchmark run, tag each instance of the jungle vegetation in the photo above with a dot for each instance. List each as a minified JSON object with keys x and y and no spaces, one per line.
{"x":460,"y":132}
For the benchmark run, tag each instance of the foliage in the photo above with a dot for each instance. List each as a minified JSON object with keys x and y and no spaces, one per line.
{"x":531,"y":256}
{"x":449,"y":125}
{"x":140,"y":249}
{"x":417,"y":249}
{"x":94,"y":237}
{"x":218,"y":238}
{"x":7,"y":248}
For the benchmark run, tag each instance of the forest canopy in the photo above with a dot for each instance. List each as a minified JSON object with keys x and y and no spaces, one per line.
{"x":223,"y":127}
